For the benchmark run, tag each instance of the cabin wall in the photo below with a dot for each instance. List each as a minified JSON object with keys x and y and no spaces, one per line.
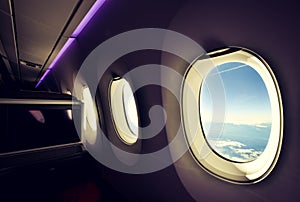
{"x":268,"y":28}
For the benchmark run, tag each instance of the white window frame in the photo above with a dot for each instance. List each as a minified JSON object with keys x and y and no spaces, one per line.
{"x":119,"y":114}
{"x":235,"y":172}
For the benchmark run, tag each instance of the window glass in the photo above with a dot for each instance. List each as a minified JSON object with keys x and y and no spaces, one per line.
{"x":69,"y":111}
{"x":89,"y":110}
{"x":245,"y":129}
{"x":130,"y":109}
{"x":124,"y":111}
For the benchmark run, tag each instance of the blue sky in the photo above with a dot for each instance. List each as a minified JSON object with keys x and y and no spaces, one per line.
{"x":244,"y":95}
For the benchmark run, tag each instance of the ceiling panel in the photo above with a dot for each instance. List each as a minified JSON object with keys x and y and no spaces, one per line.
{"x":81,"y":12}
{"x":38,"y":26}
{"x":7,"y":37}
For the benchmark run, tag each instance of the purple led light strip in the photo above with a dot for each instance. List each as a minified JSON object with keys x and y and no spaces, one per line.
{"x":88,"y":17}
{"x":64,"y":48}
{"x":76,"y":32}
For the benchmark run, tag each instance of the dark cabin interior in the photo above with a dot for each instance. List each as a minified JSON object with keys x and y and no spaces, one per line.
{"x":42,"y":157}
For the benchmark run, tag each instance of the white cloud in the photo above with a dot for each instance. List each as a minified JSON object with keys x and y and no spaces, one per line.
{"x":224,"y":143}
{"x":235,"y":150}
{"x":261,"y":126}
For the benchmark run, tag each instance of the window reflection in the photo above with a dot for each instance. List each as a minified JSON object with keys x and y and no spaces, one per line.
{"x":37,"y":114}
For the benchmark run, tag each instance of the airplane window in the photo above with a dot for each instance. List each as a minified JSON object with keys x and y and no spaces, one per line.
{"x":124,"y":110}
{"x":69,"y":111}
{"x":232,"y":115}
{"x":130,"y":108}
{"x":89,"y":110}
{"x":247,"y":122}
{"x":90,"y":127}
{"x":69,"y":114}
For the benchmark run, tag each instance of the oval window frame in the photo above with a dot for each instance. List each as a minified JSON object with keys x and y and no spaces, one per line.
{"x":118,"y":111}
{"x":235,"y":172}
{"x":90,"y":121}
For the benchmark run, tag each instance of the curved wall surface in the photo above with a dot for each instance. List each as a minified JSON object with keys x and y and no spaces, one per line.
{"x":270,"y":29}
